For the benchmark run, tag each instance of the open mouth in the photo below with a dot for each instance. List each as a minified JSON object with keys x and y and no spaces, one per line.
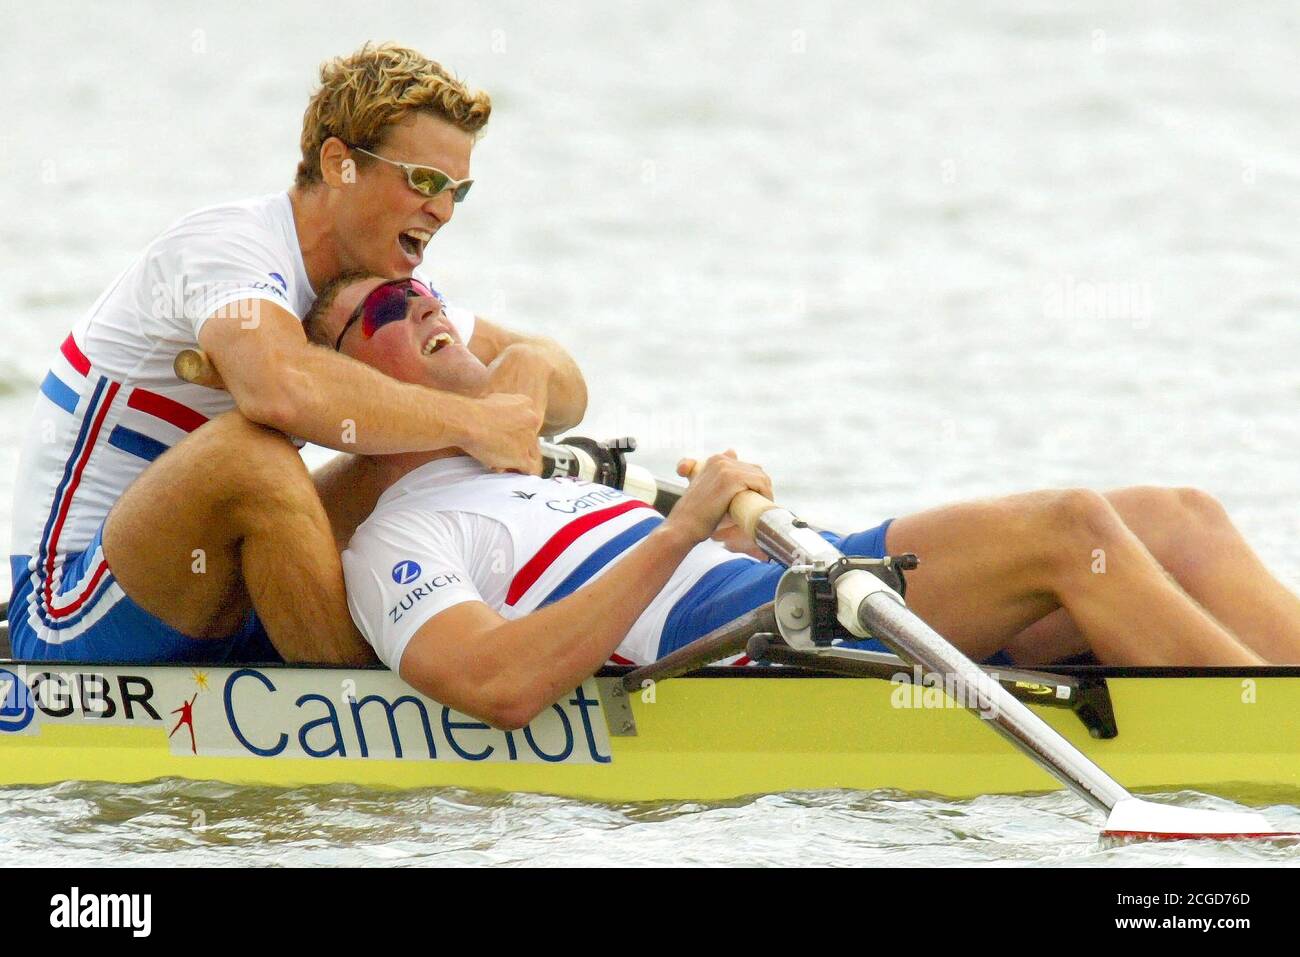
{"x":413,"y":242}
{"x":436,"y":343}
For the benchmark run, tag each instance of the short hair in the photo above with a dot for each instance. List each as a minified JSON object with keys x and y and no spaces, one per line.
{"x":314,"y":322}
{"x":363,"y":94}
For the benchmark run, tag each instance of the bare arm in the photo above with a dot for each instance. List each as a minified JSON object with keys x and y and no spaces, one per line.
{"x":566,"y":390}
{"x":507,"y":672}
{"x":281,"y":380}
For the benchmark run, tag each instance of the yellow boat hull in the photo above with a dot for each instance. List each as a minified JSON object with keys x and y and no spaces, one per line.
{"x":711,"y":737}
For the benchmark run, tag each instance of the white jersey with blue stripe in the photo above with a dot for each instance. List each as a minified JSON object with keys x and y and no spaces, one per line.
{"x":451,"y":531}
{"x":111,"y":402}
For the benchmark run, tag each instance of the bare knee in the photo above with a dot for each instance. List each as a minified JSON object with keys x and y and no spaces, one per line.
{"x":1078,"y":527}
{"x":235,"y":432}
{"x":1178,"y":506}
{"x":1080,"y":511}
{"x":1172,"y":519}
{"x":1199,"y":507}
{"x":232,"y":431}
{"x":254,"y":466}
{"x":1182,"y":527}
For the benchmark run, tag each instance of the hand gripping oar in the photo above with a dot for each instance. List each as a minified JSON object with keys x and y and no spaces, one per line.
{"x":867,"y":607}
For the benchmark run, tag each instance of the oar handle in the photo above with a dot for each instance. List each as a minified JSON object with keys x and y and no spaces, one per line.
{"x":194,"y":366}
{"x":746,"y":508}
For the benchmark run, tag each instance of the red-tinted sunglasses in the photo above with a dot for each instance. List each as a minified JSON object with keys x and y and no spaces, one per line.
{"x":384,"y":304}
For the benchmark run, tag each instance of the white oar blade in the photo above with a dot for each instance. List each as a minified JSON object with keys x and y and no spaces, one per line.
{"x":1146,"y":820}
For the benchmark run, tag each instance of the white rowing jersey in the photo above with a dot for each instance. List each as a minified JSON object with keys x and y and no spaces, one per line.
{"x":111,"y":403}
{"x":451,"y":531}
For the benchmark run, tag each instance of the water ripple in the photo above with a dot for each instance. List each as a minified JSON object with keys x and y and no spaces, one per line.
{"x":186,"y":823}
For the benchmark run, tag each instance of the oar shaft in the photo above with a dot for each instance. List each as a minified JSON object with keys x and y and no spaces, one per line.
{"x":638,"y":482}
{"x":916,"y":641}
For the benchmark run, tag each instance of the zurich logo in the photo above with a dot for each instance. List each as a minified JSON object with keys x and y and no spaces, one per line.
{"x":16,"y":708}
{"x":405,"y":572}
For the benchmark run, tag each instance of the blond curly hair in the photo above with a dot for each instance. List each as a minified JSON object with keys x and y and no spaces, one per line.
{"x":363,"y":94}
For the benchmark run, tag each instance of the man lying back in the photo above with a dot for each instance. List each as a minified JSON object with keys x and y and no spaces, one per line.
{"x":497,"y":593}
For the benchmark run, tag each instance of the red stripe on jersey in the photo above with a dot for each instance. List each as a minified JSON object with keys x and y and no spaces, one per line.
{"x":558,"y":542}
{"x":75,"y":355}
{"x":169,"y":410}
{"x":91,"y":439}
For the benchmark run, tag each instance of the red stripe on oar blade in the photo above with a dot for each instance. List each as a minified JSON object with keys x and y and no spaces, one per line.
{"x":169,"y":410}
{"x":1193,"y":836}
{"x":75,"y":356}
{"x":558,"y":542}
{"x":1135,"y":819}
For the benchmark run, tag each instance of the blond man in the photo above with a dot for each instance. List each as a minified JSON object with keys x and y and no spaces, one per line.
{"x":152,"y":523}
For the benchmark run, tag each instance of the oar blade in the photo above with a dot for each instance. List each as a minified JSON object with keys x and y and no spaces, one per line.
{"x":1135,"y":819}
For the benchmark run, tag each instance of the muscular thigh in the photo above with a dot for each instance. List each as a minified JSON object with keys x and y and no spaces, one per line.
{"x":982,"y":576}
{"x":172,"y":540}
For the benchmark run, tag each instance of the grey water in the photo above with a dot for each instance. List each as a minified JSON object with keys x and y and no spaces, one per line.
{"x":900,"y":254}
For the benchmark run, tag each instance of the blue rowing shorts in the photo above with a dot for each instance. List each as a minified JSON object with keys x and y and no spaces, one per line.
{"x":725,"y":593}
{"x":81,"y":613}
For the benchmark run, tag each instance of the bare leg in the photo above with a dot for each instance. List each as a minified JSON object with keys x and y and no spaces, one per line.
{"x":229,"y":519}
{"x":1047,"y":640}
{"x":991,"y":569}
{"x":1190,"y":534}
